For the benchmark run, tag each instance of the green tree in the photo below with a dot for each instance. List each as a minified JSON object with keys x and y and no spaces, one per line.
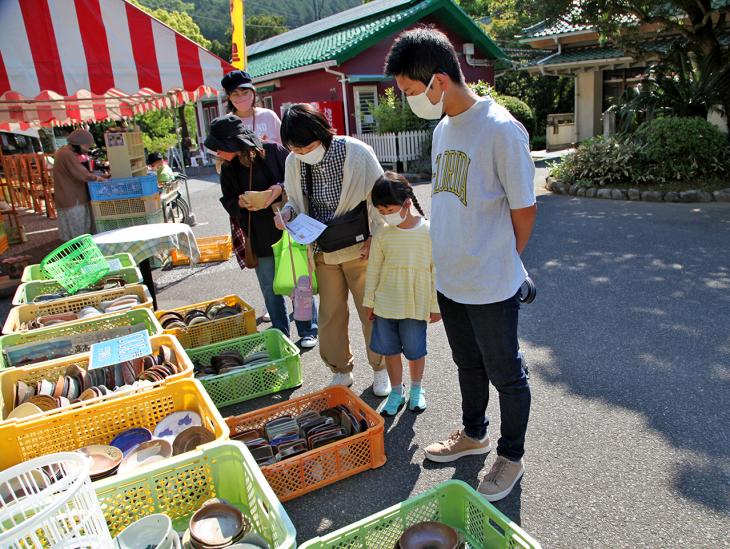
{"x":261,"y":27}
{"x":698,"y":24}
{"x":393,"y":115}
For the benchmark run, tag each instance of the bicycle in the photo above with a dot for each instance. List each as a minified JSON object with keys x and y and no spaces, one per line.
{"x":175,"y":208}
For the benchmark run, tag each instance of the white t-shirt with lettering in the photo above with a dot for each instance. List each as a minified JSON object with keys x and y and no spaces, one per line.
{"x":268,"y":125}
{"x":482,"y":169}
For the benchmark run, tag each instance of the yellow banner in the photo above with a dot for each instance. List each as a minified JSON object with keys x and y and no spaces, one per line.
{"x":238,"y":36}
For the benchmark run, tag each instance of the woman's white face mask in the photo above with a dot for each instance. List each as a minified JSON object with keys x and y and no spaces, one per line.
{"x":314,"y":156}
{"x":423,"y":108}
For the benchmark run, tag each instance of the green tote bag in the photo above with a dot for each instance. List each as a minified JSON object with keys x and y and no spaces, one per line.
{"x":291,"y":261}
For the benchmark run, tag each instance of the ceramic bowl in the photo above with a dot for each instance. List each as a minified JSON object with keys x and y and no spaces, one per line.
{"x":217,"y":525}
{"x":127,"y":440}
{"x":104,"y":459}
{"x":429,"y":535}
{"x":191,"y":438}
{"x":152,"y":531}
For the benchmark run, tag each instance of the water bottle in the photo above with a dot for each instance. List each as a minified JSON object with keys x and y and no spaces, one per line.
{"x":302,"y":299}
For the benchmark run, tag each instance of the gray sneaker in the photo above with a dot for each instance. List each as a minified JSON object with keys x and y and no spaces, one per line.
{"x":501,"y":478}
{"x":456,"y":446}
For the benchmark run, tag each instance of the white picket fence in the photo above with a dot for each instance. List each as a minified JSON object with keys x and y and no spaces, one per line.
{"x":393,"y":147}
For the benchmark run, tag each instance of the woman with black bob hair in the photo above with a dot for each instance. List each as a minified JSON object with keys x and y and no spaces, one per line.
{"x":249,"y":164}
{"x":330,"y":177}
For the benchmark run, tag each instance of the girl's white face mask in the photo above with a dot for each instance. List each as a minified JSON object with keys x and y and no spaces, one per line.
{"x":314,"y":156}
{"x":423,"y":108}
{"x":394,"y":218}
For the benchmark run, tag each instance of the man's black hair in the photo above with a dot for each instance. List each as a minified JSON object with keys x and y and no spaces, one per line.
{"x":303,"y":124}
{"x":420,"y":53}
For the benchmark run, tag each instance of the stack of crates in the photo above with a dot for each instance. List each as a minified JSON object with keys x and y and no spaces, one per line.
{"x":125,"y":202}
{"x":3,"y":237}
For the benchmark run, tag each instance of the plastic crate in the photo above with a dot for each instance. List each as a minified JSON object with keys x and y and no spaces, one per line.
{"x":181,"y":484}
{"x":76,"y":264}
{"x":34,"y":272}
{"x":453,"y":503}
{"x":283,"y":372}
{"x":211,"y":248}
{"x":128,"y":221}
{"x":326,"y":465}
{"x":65,"y":430}
{"x":90,"y":326}
{"x":124,"y":207}
{"x":22,"y":314}
{"x":4,"y":244}
{"x":28,"y":291}
{"x":52,"y":369}
{"x":214,"y":331}
{"x":125,"y":187}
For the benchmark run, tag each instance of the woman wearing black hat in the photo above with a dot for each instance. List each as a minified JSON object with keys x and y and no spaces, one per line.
{"x":241,"y":102}
{"x":247,"y":162}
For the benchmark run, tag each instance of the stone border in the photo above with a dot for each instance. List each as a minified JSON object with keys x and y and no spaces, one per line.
{"x":558,"y":187}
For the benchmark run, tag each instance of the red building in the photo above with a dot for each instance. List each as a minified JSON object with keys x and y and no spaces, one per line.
{"x":337,"y":62}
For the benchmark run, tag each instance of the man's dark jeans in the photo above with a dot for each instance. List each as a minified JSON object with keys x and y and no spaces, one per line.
{"x":483,"y":340}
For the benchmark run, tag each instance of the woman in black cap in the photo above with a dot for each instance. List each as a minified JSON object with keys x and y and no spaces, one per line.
{"x":247,"y":162}
{"x":242,"y":102}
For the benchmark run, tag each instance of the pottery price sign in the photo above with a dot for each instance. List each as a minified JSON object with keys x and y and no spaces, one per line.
{"x":115,"y":351}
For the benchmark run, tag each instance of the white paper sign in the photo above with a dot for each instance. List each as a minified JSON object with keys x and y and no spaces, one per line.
{"x":304,"y":229}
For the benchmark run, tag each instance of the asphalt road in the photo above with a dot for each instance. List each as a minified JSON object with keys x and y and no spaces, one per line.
{"x":629,"y":353}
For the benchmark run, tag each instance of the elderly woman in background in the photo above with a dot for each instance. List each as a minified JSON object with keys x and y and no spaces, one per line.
{"x":70,"y":178}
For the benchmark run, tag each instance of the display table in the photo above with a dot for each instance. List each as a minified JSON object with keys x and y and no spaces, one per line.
{"x":146,"y":241}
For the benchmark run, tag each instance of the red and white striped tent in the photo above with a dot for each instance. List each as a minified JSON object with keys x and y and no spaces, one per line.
{"x":74,"y":61}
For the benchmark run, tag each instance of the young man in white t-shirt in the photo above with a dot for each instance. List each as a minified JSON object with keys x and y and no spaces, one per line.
{"x":482,"y":214}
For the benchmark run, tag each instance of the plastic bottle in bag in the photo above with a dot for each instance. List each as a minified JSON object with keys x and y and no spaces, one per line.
{"x":302,"y":299}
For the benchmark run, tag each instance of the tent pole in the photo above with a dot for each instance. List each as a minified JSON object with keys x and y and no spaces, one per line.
{"x":182,"y":166}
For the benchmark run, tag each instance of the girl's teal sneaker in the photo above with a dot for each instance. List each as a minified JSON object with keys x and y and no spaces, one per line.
{"x":392,"y":405}
{"x":417,"y":400}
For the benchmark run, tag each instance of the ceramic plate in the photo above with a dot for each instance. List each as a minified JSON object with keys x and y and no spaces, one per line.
{"x":24,"y":410}
{"x":129,"y":439}
{"x":146,"y":453}
{"x":104,"y":459}
{"x":175,"y":424}
{"x":191,"y":438}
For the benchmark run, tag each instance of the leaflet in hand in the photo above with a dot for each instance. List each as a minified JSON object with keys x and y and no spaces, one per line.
{"x":304,"y":229}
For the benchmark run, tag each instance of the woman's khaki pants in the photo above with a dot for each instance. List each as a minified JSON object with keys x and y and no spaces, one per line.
{"x":334,"y":282}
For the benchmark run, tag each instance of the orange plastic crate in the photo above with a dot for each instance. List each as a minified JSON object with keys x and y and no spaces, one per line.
{"x":4,"y":245}
{"x":65,"y":430}
{"x":211,"y":248}
{"x":214,"y":331}
{"x":312,"y":470}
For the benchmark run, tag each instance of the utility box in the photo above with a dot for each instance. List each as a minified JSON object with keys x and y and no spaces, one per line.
{"x":560,"y":132}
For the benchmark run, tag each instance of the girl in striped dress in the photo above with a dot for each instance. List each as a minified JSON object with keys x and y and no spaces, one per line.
{"x":400,"y":290}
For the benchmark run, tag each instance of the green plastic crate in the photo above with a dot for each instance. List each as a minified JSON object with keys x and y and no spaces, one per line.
{"x":178,"y":486}
{"x":283,"y":372}
{"x":104,"y":322}
{"x":454,"y":503}
{"x":34,"y":272}
{"x":28,"y":291}
{"x":76,"y":264}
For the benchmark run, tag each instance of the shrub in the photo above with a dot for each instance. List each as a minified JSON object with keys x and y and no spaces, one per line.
{"x":602,"y":161}
{"x":538,"y":142}
{"x":392,"y":114}
{"x":681,"y":148}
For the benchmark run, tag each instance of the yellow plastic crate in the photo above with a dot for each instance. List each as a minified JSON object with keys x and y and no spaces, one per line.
{"x":123,"y":207}
{"x":89,"y":326}
{"x":215,"y":330}
{"x":211,"y":248}
{"x":66,"y":430}
{"x":53,"y":369}
{"x":23,"y":314}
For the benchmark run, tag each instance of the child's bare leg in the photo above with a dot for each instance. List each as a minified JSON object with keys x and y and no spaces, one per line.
{"x":416,"y":368}
{"x":395,"y":370}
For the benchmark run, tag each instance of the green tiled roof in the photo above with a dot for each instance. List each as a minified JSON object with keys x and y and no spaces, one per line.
{"x":343,"y":36}
{"x":598,"y":53}
{"x":566,"y":24}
